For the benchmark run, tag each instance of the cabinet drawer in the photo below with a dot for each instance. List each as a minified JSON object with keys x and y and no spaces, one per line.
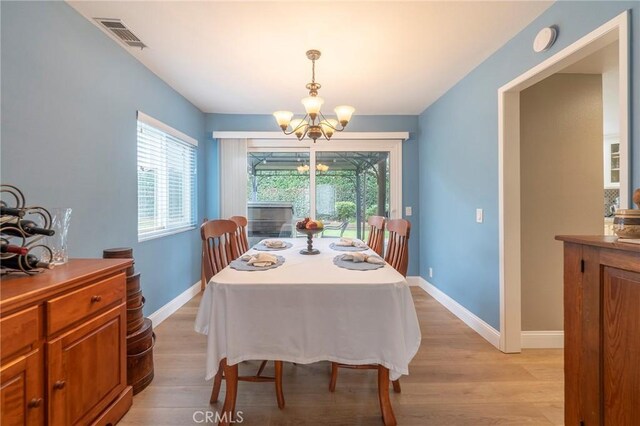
{"x":66,"y":310}
{"x":20,"y":332}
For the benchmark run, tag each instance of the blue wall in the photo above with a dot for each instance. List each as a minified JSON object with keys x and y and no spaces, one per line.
{"x":69,"y":101}
{"x":459,"y":157}
{"x":359,"y":123}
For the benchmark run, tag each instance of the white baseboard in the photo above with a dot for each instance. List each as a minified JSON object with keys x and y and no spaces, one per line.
{"x":165,"y":312}
{"x":543,"y":339}
{"x":414,"y":281}
{"x":489,"y":333}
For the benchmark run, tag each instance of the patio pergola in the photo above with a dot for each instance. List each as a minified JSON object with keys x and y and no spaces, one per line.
{"x":357,"y":166}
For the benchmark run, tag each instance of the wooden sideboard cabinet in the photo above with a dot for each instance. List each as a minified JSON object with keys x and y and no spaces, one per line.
{"x":63,"y":345}
{"x":602,"y":331}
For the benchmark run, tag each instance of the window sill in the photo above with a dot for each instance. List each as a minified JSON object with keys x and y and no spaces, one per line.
{"x":164,"y":234}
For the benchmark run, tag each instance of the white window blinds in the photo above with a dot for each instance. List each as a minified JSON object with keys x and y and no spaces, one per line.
{"x":166,"y":179}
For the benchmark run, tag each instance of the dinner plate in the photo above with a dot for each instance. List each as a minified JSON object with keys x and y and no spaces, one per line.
{"x":355,"y":266}
{"x":261,"y":247}
{"x":336,"y":247}
{"x":241,"y":265}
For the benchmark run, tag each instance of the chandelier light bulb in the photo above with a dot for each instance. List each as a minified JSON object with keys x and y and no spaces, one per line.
{"x":283,"y":118}
{"x":322,"y":167}
{"x":328,"y":126}
{"x":298,"y":126}
{"x":312,"y":105}
{"x":344,"y":113}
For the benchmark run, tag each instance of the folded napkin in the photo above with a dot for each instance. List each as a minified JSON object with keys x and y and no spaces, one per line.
{"x":274,"y":243}
{"x":361,"y":257}
{"x":349,"y":242}
{"x":260,"y":259}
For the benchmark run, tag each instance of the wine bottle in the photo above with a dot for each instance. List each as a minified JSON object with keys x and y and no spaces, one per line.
{"x":28,"y":263}
{"x":5,"y":247}
{"x":29,"y":227}
{"x":11,"y":211}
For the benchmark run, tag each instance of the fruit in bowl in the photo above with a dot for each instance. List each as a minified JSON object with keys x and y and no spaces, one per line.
{"x":307,"y":223}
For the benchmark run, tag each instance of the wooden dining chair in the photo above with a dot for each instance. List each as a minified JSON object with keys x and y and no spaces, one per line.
{"x":376,"y":234}
{"x":398,"y":245}
{"x":203,"y":278}
{"x":398,"y":257}
{"x":243,"y":240}
{"x":219,"y":247}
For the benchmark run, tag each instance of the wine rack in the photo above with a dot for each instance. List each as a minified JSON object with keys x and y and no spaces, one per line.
{"x":22,"y":230}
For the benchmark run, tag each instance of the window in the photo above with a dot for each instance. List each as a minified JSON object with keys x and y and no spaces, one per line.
{"x":166,"y":179}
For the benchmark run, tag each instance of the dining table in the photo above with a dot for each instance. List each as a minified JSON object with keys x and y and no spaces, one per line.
{"x":306,"y":310}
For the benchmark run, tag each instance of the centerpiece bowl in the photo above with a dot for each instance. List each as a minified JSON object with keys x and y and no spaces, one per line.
{"x":310,"y":233}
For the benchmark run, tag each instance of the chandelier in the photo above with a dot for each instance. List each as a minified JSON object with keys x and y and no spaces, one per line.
{"x":314,"y":124}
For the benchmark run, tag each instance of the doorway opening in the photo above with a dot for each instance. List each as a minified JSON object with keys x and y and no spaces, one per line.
{"x":511,"y":151}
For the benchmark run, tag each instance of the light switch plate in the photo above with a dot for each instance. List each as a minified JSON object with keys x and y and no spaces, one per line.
{"x":408,"y":211}
{"x":479,"y":215}
{"x":430,"y":272}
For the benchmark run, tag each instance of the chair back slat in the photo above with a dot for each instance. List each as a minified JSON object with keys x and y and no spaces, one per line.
{"x":376,"y":234}
{"x":219,"y":245}
{"x":243,"y":240}
{"x":398,"y":246}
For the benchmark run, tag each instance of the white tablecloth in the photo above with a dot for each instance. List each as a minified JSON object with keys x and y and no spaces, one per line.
{"x":310,"y":310}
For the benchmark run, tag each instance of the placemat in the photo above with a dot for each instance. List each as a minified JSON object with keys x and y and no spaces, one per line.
{"x":355,"y":266}
{"x":336,"y":247}
{"x":261,"y":247}
{"x":241,"y":265}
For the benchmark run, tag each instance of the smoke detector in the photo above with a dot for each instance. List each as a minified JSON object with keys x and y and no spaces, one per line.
{"x":118,"y":29}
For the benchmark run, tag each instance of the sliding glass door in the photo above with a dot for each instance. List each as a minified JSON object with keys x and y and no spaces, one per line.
{"x":350,"y":187}
{"x":340,"y":183}
{"x":277,"y":192}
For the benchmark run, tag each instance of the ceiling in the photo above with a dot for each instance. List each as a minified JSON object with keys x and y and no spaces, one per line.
{"x":600,"y":62}
{"x":381,"y":57}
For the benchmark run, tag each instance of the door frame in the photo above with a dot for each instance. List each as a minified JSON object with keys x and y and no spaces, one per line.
{"x":509,"y":161}
{"x":393,"y":146}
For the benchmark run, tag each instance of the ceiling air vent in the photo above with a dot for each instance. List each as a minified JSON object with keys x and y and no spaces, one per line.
{"x":120,"y":30}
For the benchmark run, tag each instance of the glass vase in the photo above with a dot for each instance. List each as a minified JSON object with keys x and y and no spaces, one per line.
{"x":60,"y":221}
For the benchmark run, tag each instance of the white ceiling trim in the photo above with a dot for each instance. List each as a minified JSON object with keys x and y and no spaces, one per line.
{"x":403,"y":136}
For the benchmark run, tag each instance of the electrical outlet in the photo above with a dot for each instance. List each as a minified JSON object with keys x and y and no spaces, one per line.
{"x":408,"y":211}
{"x":479,"y":215}
{"x":430,"y":272}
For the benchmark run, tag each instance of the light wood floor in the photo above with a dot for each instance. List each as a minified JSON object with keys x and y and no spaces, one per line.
{"x":457,"y":378}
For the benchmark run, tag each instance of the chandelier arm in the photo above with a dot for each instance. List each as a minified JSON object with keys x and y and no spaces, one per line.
{"x":302,"y":124}
{"x":324,"y":134}
{"x":325,"y":119}
{"x":304,"y":120}
{"x":304,"y":134}
{"x":328,"y":124}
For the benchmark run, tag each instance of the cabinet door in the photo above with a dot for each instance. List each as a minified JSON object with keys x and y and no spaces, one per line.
{"x":612,"y":162}
{"x":22,"y":391}
{"x":621,"y":347}
{"x":87,"y":368}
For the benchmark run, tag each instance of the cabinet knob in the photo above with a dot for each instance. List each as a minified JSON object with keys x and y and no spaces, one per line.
{"x":96,"y":298}
{"x":59,"y":384}
{"x":34,"y":403}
